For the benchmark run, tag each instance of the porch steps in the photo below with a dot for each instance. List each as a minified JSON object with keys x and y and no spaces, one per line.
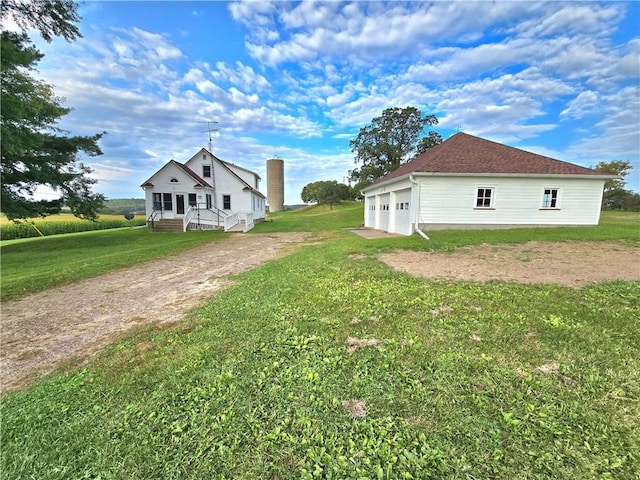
{"x":168,"y":225}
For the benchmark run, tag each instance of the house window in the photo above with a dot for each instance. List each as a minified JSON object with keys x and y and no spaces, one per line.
{"x":406,"y":205}
{"x":167,"y":201}
{"x":192,"y":200}
{"x":484,"y":198}
{"x":206,"y":171}
{"x":550,"y":198}
{"x":173,"y":180}
{"x":208,"y":199}
{"x":226,"y":202}
{"x":157,"y":201}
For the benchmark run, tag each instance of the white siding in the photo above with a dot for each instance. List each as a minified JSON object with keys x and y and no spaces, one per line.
{"x":517,"y":201}
{"x":162,"y":184}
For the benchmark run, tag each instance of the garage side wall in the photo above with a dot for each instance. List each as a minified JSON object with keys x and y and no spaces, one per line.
{"x":448,"y":202}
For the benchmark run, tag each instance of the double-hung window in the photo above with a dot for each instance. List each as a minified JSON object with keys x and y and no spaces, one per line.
{"x":167,"y":201}
{"x":226,"y":202}
{"x":157,"y":201}
{"x":550,"y":198}
{"x":484,"y":197}
{"x":206,"y":171}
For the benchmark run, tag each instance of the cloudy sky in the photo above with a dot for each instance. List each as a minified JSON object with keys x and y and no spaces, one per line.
{"x":298,"y":80}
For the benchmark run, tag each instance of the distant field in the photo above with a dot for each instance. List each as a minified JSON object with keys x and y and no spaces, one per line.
{"x":62,"y":217}
{"x":62,"y":223}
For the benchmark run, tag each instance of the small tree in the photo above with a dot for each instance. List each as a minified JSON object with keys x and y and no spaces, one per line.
{"x":326,"y":192}
{"x":391,"y":140}
{"x":34,"y":152}
{"x":615,"y":196}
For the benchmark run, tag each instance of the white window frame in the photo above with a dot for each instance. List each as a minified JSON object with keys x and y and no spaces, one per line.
{"x":550,"y":200}
{"x":492,"y":198}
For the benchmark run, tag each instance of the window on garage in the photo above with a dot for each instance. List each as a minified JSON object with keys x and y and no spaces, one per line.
{"x":484,"y":197}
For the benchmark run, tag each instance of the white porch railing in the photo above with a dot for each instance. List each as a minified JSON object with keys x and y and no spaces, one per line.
{"x":187,"y":217}
{"x":247,"y":218}
{"x":231,"y":221}
{"x":200,"y":217}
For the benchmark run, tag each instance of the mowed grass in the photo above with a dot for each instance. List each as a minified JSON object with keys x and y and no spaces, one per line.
{"x":328,"y":364}
{"x":315,"y":218}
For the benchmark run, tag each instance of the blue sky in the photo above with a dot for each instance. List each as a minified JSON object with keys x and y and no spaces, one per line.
{"x":298,"y":80}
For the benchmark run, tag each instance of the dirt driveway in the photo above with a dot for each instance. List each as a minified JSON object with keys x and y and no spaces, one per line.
{"x":41,"y":331}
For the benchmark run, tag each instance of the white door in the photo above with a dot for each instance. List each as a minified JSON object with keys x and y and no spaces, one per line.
{"x":383,"y":213}
{"x":370,"y":214}
{"x":402,"y":218}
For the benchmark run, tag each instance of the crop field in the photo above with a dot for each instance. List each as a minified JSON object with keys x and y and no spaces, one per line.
{"x":61,"y":224}
{"x":326,"y":363}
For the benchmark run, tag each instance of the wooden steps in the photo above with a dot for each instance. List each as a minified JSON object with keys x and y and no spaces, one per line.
{"x":168,"y":225}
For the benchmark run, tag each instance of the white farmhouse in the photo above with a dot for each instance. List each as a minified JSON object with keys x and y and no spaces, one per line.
{"x":470,"y":182}
{"x":203,"y":193}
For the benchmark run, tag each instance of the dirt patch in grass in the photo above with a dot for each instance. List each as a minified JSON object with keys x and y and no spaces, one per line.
{"x":356,"y":408}
{"x":354,"y":344}
{"x":567,"y":263}
{"x":49,"y":329}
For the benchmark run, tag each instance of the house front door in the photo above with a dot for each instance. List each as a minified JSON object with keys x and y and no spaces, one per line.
{"x":180,"y":204}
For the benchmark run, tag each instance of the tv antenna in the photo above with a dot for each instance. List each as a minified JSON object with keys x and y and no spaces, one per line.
{"x":209,"y":130}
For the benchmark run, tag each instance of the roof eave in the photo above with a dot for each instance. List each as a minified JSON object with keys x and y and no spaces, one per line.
{"x":503,"y":175}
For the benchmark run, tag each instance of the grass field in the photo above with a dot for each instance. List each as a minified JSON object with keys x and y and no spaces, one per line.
{"x":327,"y":364}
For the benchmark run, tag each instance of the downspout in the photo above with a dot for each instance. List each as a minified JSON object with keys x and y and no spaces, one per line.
{"x":415,"y":224}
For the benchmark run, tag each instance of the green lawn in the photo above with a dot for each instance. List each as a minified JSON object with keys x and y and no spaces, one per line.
{"x":259,"y":383}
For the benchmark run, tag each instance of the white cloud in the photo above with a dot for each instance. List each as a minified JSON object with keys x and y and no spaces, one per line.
{"x":584,"y":104}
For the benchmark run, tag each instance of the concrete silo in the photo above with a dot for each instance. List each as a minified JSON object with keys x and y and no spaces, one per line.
{"x":275,"y":184}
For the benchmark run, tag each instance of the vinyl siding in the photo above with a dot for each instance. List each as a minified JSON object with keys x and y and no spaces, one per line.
{"x":517,"y":201}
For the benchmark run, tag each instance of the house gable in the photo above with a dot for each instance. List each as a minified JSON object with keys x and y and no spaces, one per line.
{"x":204,"y":158}
{"x":175,"y":171}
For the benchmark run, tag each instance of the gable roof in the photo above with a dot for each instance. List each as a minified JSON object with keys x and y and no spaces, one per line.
{"x":227,"y":166}
{"x":200,"y":182}
{"x":464,"y":154}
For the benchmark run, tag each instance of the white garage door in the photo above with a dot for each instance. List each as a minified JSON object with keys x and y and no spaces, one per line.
{"x":402,"y":220}
{"x":383,"y":213}
{"x":370,"y":214}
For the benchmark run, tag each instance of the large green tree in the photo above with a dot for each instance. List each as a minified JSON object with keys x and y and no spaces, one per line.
{"x":390,"y":140}
{"x":35,"y":153}
{"x":328,"y":192}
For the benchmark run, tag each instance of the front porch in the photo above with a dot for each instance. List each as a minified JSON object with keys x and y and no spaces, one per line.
{"x":201,"y":218}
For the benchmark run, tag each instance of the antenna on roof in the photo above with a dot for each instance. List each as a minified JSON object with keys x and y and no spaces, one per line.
{"x":209,"y":130}
{"x":459,"y":127}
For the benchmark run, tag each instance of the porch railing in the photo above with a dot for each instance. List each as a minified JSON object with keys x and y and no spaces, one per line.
{"x":231,"y":221}
{"x":247,"y":218}
{"x":202,"y":216}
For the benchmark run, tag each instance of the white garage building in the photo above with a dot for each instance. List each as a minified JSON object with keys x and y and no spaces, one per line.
{"x":470,"y":182}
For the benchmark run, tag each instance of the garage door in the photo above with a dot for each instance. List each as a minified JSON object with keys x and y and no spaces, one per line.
{"x":370,"y":217}
{"x":384,"y":212}
{"x":402,"y":218}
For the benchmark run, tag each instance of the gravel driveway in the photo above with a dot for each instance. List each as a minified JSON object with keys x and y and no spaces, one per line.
{"x":74,"y":322}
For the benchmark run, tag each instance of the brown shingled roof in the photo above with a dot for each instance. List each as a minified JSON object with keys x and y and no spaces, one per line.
{"x":465,"y":154}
